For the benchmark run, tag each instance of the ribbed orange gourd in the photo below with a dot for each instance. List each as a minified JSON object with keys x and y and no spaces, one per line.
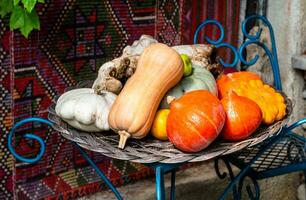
{"x":159,"y":68}
{"x":227,"y":81}
{"x":243,"y":117}
{"x":195,"y":120}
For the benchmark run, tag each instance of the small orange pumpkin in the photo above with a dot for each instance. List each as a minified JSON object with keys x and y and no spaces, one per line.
{"x":195,"y":120}
{"x":227,"y":81}
{"x":243,"y":117}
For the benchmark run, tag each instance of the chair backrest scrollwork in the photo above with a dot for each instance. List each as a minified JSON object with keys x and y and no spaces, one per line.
{"x":251,"y":39}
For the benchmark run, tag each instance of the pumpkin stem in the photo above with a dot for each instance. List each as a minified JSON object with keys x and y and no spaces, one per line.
{"x":97,"y":89}
{"x":123,"y":138}
{"x":170,"y":99}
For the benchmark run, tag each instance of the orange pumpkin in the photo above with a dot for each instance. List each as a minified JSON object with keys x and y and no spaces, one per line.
{"x":227,"y":81}
{"x":243,"y":117}
{"x":195,"y":120}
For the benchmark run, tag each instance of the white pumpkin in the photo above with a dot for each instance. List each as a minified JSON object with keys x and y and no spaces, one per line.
{"x":200,"y":79}
{"x":85,"y":110}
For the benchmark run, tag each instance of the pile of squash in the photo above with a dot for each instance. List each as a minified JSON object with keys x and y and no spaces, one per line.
{"x":175,"y":99}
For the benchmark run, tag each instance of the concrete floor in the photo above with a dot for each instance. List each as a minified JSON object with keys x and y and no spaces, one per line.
{"x":301,"y":192}
{"x":201,"y":182}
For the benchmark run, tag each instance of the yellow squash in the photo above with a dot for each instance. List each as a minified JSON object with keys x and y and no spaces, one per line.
{"x":271,"y":103}
{"x":159,"y":68}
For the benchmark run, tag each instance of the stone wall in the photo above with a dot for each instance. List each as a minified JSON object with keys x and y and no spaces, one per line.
{"x":288,"y":20}
{"x":299,"y":63}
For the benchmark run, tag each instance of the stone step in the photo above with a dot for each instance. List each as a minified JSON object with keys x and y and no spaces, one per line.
{"x":299,"y":62}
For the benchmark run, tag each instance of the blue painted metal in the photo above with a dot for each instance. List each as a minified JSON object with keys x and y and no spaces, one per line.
{"x":43,"y":149}
{"x":160,"y":186}
{"x":277,"y":171}
{"x":281,"y":170}
{"x":218,"y":43}
{"x":172,"y":192}
{"x":276,"y":76}
{"x":255,"y":39}
{"x":224,"y":174}
{"x":244,"y":171}
{"x":100,"y":173}
{"x":299,"y":137}
{"x":236,"y":56}
{"x":253,"y":194}
{"x":252,"y":39}
{"x":28,"y":136}
{"x":160,"y":170}
{"x":294,"y":125}
{"x":166,"y":167}
{"x":205,"y":23}
{"x":277,"y":159}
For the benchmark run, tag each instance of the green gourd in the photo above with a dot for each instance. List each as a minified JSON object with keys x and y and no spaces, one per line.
{"x":200,"y":79}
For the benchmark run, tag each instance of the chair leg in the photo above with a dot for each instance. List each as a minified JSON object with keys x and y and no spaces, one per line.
{"x":160,"y":186}
{"x":172,"y":194}
{"x":225,"y":174}
{"x":252,"y":195}
{"x":100,"y":173}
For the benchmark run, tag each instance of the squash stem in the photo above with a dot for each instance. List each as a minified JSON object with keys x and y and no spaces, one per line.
{"x":123,"y":138}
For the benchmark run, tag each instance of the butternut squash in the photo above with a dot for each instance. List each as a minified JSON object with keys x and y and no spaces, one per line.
{"x":159,"y":68}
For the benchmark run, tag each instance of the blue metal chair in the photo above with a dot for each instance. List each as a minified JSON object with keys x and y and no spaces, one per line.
{"x":280,"y":155}
{"x":276,"y":156}
{"x":248,"y":160}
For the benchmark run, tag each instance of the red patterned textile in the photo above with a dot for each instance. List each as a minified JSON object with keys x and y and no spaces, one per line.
{"x":225,"y":11}
{"x":76,"y":37}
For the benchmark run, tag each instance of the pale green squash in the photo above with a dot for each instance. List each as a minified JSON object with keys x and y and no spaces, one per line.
{"x":200,"y":79}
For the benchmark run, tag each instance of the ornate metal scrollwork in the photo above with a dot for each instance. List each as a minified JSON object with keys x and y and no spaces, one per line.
{"x":205,"y":23}
{"x":225,"y":174}
{"x":237,"y":194}
{"x":43,"y":149}
{"x":255,"y":39}
{"x":295,"y":152}
{"x":219,"y":42}
{"x":252,"y":39}
{"x":28,"y":136}
{"x":253,"y":194}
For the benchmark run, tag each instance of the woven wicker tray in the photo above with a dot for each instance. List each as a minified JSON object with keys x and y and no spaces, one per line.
{"x":150,"y":150}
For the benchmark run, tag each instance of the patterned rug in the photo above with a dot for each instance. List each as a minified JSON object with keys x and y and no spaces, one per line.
{"x":77,"y":37}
